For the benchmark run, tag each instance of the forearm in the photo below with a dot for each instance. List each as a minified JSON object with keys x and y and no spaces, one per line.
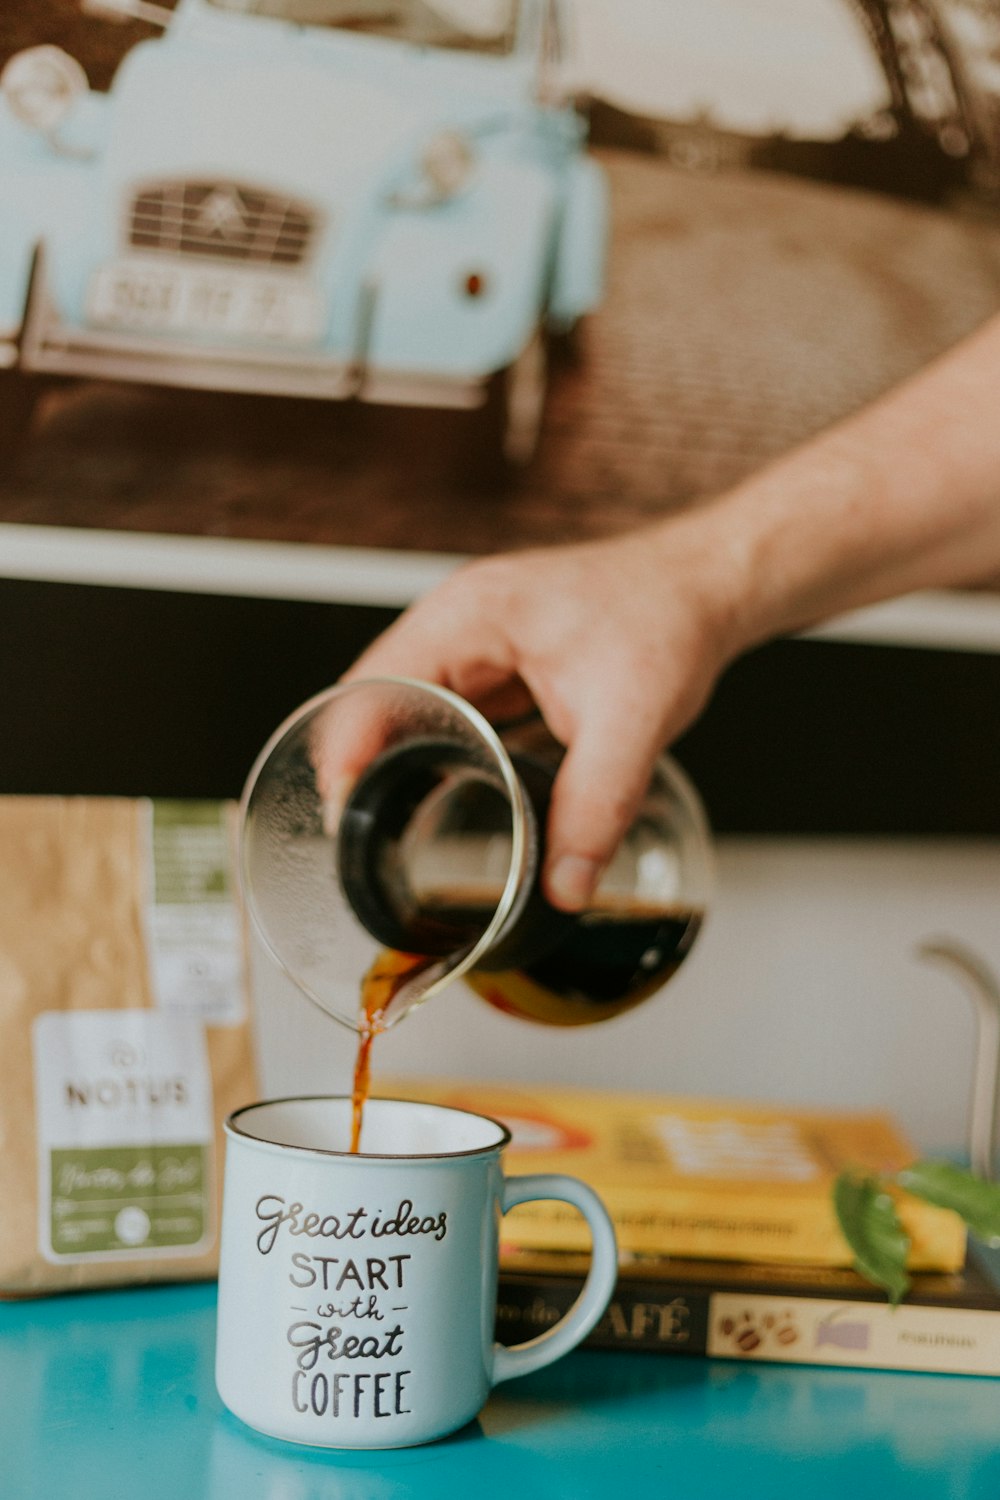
{"x":904,"y":495}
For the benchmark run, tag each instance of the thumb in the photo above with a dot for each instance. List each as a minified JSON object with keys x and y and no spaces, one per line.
{"x":597,"y":792}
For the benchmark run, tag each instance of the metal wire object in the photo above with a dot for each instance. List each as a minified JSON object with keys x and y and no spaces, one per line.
{"x":981,"y":983}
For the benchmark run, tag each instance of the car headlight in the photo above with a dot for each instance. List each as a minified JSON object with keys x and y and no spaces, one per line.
{"x":446,"y":166}
{"x":41,"y":85}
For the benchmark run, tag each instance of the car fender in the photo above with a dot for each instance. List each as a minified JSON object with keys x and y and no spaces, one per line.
{"x":46,"y":195}
{"x":425,"y":316}
{"x":581,"y":259}
{"x":16,"y":253}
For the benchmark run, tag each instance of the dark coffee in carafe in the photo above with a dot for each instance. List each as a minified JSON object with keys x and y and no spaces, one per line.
{"x":427,"y":896}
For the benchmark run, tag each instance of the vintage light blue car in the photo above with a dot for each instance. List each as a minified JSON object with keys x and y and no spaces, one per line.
{"x":377,"y":199}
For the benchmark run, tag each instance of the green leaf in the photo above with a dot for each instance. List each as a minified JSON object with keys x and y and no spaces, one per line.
{"x":948,"y":1186}
{"x":868,"y":1220}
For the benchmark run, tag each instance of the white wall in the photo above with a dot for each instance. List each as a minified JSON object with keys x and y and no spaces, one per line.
{"x":804,"y":987}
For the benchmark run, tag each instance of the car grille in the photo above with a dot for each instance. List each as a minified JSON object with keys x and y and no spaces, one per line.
{"x":224,"y":220}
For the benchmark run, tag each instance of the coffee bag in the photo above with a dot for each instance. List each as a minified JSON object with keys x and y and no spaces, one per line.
{"x":124,"y":1038}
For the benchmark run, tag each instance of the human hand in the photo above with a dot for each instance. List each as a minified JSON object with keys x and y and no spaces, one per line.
{"x":618,"y":643}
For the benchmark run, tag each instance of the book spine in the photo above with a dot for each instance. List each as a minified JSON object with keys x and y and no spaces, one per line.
{"x":641,"y":1315}
{"x":788,"y":1328}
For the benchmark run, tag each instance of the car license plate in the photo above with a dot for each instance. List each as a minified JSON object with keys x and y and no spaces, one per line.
{"x":202,"y":301}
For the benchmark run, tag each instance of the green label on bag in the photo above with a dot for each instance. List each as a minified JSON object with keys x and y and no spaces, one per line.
{"x":127,"y":1198}
{"x":193,"y":926}
{"x":191,"y":853}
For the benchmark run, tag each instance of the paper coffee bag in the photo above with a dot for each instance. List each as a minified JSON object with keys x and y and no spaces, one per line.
{"x":124,"y":1038}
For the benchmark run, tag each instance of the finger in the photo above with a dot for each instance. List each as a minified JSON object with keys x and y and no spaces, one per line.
{"x":511,"y":700}
{"x":443,"y":640}
{"x":447,"y":625}
{"x":411,"y":647}
{"x":450,"y":641}
{"x":597,"y":792}
{"x":344,"y":738}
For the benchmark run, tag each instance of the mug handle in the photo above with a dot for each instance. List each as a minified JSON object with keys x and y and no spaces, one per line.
{"x":595,"y":1295}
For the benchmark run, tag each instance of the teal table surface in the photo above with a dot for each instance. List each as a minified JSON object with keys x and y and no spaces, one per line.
{"x":109,"y":1396}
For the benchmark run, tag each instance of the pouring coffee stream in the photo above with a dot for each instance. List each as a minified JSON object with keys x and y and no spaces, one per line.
{"x":430,"y":868}
{"x":384,"y":985}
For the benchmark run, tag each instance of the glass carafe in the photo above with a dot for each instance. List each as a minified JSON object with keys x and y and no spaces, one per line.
{"x":387,"y":827}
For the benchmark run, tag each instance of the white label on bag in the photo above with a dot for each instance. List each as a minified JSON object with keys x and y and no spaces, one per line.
{"x":123,"y":1100}
{"x":192,"y":921}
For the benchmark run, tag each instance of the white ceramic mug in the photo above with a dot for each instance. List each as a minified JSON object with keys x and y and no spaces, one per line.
{"x":357,"y":1294}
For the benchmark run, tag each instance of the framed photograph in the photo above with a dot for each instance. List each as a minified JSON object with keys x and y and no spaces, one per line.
{"x":455,"y":275}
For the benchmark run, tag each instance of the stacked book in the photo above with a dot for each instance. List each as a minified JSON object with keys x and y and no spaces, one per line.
{"x":728,"y":1239}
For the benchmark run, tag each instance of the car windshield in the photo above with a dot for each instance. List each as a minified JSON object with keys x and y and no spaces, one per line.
{"x":487,"y":26}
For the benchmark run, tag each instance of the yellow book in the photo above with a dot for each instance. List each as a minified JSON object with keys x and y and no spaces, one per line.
{"x":702,"y":1178}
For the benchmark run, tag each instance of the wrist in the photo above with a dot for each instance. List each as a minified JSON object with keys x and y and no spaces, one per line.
{"x":797,"y":541}
{"x":707,"y":554}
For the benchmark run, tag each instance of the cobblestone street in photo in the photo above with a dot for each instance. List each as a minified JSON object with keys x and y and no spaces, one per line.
{"x":744,"y":311}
